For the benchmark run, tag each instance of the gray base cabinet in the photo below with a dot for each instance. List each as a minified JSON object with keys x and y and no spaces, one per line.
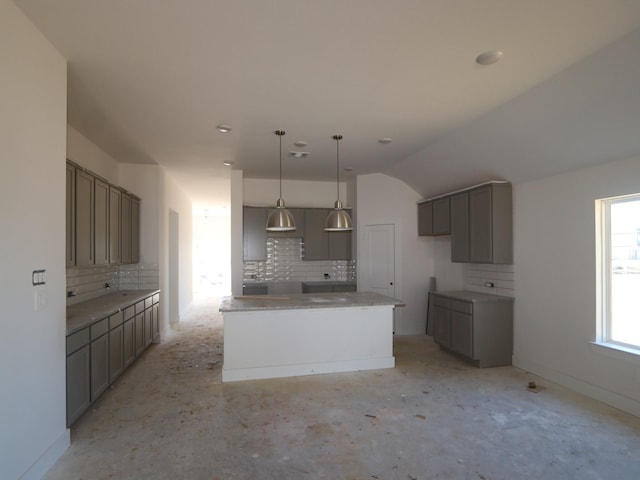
{"x":477,"y":326}
{"x":100,"y":352}
{"x":78,"y":383}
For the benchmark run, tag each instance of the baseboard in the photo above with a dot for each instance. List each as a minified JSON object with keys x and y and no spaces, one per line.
{"x":49,"y":457}
{"x":261,"y":373}
{"x":613,"y":399}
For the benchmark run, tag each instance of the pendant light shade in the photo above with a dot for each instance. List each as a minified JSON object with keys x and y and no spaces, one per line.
{"x":281,"y":219}
{"x":339,"y":219}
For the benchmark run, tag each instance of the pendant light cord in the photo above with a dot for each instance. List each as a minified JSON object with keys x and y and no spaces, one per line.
{"x":337,"y":138}
{"x":280,"y":133}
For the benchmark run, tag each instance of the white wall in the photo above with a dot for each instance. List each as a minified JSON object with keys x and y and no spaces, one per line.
{"x":33,"y":431}
{"x":173,"y":198}
{"x":414,"y":254}
{"x":296,"y":193}
{"x":87,"y":154}
{"x":237,"y":195}
{"x":555,"y":308}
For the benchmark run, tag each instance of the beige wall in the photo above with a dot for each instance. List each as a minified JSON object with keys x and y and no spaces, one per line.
{"x":296,"y":193}
{"x":87,"y":154}
{"x":33,"y":431}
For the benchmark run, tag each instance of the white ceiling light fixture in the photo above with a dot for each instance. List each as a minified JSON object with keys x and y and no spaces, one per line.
{"x":223,"y":128}
{"x":300,"y":143}
{"x":339,"y":219}
{"x":227,"y":163}
{"x":385,"y":140}
{"x":489,"y":58}
{"x":281,"y":219}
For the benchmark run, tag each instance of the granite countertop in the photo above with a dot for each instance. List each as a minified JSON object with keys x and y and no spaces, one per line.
{"x":83,"y":314}
{"x":469,"y":296}
{"x":306,"y":300}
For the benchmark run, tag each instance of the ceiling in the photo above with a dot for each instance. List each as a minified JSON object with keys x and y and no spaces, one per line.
{"x":149,"y":80}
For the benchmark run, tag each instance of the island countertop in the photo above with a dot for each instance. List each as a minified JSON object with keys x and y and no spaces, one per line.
{"x":306,"y":300}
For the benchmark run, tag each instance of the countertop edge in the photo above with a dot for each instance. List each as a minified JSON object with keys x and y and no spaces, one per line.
{"x":474,"y":297}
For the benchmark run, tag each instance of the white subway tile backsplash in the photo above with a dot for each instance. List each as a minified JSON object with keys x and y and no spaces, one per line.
{"x":284,"y":263}
{"x":502,"y":277}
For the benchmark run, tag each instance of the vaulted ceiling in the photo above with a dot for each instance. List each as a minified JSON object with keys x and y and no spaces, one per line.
{"x":149,"y":81}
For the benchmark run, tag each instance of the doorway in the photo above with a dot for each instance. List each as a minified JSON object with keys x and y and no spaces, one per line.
{"x":378,"y":265}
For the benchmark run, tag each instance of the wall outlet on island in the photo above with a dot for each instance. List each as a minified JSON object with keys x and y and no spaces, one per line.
{"x":489,"y":284}
{"x":327,"y":276}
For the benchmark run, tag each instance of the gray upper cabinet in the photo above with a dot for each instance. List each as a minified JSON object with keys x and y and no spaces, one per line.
{"x":433,"y":217}
{"x":101,"y":222}
{"x":115,"y":197}
{"x":490,"y":224}
{"x":322,"y":245}
{"x":71,"y":216}
{"x":84,"y":218}
{"x":460,"y":227}
{"x":135,"y":230}
{"x":125,"y":228}
{"x":254,"y":233}
{"x":441,"y":216}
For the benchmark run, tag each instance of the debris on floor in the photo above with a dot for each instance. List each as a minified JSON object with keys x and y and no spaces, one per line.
{"x":535,"y":388}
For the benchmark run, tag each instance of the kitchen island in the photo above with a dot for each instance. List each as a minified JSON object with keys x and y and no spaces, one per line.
{"x":271,"y":336}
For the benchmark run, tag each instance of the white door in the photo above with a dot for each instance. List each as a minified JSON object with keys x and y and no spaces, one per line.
{"x":379,"y":266}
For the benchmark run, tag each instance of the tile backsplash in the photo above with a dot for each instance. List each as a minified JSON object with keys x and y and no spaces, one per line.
{"x":502,"y":277}
{"x":284,"y":263}
{"x":90,"y":282}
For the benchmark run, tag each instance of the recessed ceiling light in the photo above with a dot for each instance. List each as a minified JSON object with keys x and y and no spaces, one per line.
{"x":227,"y":163}
{"x":384,"y":140}
{"x":295,"y":154}
{"x":223,"y":128}
{"x":489,"y":58}
{"x":300,"y":143}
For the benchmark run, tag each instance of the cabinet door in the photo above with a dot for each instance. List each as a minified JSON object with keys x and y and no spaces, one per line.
{"x":135,"y":230}
{"x":78,"y":383}
{"x":460,"y":227}
{"x":425,"y":219}
{"x":339,"y":245}
{"x":116,"y":352}
{"x":441,"y":216}
{"x":442,"y":325}
{"x":115,"y":197}
{"x":129,"y":341}
{"x":316,"y":240}
{"x":345,"y":288}
{"x":84,"y":218}
{"x":101,"y":222}
{"x":462,"y":333}
{"x":71,"y":216}
{"x":254,"y":233}
{"x":139,"y":335}
{"x":99,"y":366}
{"x":480,"y":225}
{"x":125,"y":228}
{"x":155,"y":323}
{"x":148,"y":327}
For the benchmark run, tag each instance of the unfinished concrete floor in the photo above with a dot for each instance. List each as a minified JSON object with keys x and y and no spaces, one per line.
{"x":432,"y":417}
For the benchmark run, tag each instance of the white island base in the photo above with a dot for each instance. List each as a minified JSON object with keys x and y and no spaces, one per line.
{"x":274,"y":343}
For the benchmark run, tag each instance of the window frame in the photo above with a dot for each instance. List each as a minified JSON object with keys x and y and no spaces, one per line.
{"x":604,"y":277}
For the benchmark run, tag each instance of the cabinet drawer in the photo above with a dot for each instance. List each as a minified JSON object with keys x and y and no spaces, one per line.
{"x":129,"y":312}
{"x":439,"y":301}
{"x":99,"y":328}
{"x":115,"y":320}
{"x":462,"y":306}
{"x":77,"y":340}
{"x":140,"y":307}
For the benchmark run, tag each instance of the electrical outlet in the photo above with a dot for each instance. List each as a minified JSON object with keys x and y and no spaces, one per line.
{"x":489,"y":284}
{"x":40,"y":300}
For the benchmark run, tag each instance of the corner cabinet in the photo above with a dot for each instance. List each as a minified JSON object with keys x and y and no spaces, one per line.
{"x":477,"y":326}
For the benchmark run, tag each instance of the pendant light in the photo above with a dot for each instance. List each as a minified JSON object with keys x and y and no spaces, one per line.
{"x":281,"y":219}
{"x":339,"y":219}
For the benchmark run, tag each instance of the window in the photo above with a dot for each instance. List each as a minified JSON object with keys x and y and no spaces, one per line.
{"x":619,"y":275}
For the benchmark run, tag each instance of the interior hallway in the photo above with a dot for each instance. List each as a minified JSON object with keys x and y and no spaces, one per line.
{"x":433,"y":416}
